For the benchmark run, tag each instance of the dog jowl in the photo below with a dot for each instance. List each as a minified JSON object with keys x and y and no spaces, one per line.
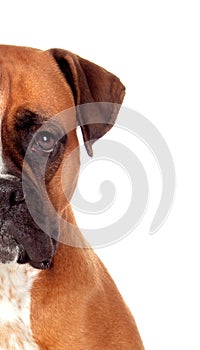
{"x":72,"y":289}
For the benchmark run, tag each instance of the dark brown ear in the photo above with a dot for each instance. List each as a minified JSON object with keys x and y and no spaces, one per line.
{"x":91,"y":83}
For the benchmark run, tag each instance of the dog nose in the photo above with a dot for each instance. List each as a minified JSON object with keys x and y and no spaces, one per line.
{"x":11,"y":192}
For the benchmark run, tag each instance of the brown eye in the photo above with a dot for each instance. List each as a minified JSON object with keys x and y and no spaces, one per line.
{"x":45,"y":141}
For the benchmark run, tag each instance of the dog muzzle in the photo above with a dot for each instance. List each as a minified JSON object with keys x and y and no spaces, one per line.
{"x":21,"y":239}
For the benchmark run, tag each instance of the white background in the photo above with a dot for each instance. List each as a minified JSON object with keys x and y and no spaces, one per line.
{"x":153,"y":46}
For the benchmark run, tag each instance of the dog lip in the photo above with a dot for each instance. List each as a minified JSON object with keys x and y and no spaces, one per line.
{"x":23,"y":258}
{"x":43,"y":265}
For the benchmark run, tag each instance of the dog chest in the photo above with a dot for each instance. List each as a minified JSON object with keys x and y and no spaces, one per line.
{"x":15,"y":284}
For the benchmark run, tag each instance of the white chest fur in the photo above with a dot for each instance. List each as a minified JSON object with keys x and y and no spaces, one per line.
{"x":15,"y":285}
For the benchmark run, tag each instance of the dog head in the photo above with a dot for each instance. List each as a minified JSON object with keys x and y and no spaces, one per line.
{"x":36,"y":86}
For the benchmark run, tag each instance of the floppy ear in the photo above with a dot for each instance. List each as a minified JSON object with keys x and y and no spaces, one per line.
{"x":91,"y":83}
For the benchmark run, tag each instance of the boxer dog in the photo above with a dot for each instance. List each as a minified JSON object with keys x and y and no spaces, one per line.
{"x":53,"y":295}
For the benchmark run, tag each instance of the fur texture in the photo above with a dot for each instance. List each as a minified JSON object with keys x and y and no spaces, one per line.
{"x":15,"y":298}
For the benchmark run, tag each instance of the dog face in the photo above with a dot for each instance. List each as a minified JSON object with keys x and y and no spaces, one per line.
{"x":34,"y":87}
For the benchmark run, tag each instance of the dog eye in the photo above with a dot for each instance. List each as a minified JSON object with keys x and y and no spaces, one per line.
{"x":45,"y":141}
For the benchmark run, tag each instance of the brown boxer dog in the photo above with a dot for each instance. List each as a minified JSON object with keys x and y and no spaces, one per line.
{"x":53,"y":296}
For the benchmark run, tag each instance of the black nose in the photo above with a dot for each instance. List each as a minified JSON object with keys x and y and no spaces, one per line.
{"x":11,"y":192}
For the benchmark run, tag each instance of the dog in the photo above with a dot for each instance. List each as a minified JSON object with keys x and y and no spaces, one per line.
{"x":53,"y":295}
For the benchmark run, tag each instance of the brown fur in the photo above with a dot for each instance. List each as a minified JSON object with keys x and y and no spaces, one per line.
{"x":75,"y":304}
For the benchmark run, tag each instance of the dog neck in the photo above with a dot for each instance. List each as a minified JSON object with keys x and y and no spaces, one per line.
{"x":22,"y":293}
